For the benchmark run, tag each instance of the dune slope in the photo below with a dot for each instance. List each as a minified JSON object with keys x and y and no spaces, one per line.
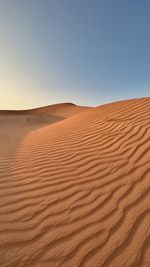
{"x":77,"y":192}
{"x":49,"y":114}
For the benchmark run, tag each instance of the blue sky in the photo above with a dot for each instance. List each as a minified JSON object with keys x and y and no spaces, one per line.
{"x":84,"y":51}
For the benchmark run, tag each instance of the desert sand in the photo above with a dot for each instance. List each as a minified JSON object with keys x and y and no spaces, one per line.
{"x":75,"y":186}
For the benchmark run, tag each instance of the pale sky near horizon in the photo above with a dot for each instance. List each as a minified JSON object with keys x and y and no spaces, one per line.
{"x":88,"y":52}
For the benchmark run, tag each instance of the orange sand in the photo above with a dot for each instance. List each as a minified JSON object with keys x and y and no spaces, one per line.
{"x":75,"y":186}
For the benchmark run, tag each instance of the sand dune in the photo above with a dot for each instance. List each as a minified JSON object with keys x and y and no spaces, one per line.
{"x":76,"y":192}
{"x":49,"y":114}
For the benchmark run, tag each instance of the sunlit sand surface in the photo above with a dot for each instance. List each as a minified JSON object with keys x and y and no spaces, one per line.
{"x":75,"y":186}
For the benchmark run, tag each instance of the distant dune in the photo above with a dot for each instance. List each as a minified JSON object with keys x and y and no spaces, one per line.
{"x":49,"y":114}
{"x":75,"y":186}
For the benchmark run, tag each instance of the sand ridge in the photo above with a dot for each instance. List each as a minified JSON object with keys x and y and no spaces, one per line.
{"x":77,"y":192}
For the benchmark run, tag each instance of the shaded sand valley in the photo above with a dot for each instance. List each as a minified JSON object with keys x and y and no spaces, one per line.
{"x":75,"y":186}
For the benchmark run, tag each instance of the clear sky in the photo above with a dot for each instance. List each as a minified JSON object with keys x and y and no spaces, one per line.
{"x":84,"y":51}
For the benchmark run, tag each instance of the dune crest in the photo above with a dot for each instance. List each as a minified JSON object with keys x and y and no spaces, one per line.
{"x":76,"y":192}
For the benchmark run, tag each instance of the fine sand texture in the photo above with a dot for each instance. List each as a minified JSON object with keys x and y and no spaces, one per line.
{"x":75,"y":186}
